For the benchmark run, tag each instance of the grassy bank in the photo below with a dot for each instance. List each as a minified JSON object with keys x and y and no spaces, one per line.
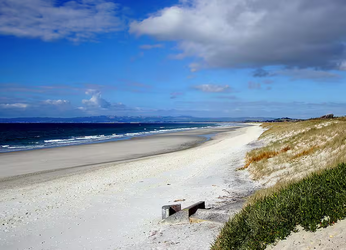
{"x":302,"y":185}
{"x":315,"y":201}
{"x":293,"y":150}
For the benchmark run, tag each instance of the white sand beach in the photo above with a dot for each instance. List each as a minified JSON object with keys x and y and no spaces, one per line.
{"x":100,"y":197}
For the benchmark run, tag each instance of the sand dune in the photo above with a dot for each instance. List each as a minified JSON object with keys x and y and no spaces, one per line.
{"x":332,"y":237}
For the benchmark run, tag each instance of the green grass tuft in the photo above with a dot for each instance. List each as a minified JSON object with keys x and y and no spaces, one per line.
{"x":307,"y":203}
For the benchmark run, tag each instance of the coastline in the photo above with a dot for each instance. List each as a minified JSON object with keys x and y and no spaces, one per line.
{"x":60,"y":161}
{"x":50,"y":135}
{"x":117,"y":205}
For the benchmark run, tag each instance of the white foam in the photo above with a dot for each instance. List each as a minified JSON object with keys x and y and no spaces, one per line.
{"x":52,"y":141}
{"x":98,"y":138}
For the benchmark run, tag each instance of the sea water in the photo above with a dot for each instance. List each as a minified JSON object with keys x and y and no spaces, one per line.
{"x":27,"y":136}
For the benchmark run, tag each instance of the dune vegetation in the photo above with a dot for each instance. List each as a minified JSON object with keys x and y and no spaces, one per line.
{"x":301,"y":169}
{"x":316,"y":201}
{"x":295,"y":149}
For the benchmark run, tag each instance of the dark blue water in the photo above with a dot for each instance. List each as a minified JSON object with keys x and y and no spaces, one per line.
{"x":26,"y":136}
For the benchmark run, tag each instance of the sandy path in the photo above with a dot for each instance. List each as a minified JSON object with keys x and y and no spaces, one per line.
{"x":119,"y":207}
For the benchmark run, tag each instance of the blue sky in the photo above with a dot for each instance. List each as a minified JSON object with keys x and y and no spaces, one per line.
{"x":220,"y":58}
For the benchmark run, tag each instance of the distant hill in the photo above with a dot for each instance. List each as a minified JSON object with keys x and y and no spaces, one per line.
{"x":285,"y":119}
{"x":127,"y":119}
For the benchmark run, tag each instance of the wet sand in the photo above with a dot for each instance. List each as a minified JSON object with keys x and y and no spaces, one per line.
{"x":53,"y":162}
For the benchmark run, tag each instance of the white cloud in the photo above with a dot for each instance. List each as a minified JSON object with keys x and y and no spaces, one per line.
{"x":45,"y":19}
{"x":96,"y":100}
{"x":14,"y":105}
{"x":56,"y":102}
{"x":253,"y":33}
{"x":96,"y":105}
{"x":212,"y":88}
{"x":92,"y":92}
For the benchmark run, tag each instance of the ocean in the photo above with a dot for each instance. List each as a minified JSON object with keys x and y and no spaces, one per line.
{"x":28,"y":136}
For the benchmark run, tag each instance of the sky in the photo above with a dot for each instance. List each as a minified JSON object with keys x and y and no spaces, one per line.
{"x":202,"y":58}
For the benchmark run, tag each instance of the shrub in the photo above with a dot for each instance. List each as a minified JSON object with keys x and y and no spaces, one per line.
{"x":307,"y":203}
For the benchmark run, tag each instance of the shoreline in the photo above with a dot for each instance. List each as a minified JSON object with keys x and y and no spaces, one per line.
{"x":118,"y":137}
{"x":118,"y":206}
{"x":55,"y":167}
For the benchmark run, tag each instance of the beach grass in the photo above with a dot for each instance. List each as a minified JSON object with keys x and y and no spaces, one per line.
{"x":317,"y":200}
{"x":303,"y":187}
{"x":293,"y":150}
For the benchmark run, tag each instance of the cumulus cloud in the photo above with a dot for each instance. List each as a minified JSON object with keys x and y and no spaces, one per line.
{"x":56,"y":102}
{"x":96,"y":105}
{"x":47,"y":108}
{"x":152,"y":46}
{"x":14,"y":105}
{"x":253,"y":33}
{"x":212,"y":88}
{"x":96,"y":99}
{"x":48,"y":20}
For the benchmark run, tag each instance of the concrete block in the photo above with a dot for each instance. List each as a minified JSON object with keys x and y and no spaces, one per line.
{"x":217,"y":215}
{"x":179,"y":217}
{"x":193,"y":208}
{"x":169,"y":210}
{"x":184,"y":215}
